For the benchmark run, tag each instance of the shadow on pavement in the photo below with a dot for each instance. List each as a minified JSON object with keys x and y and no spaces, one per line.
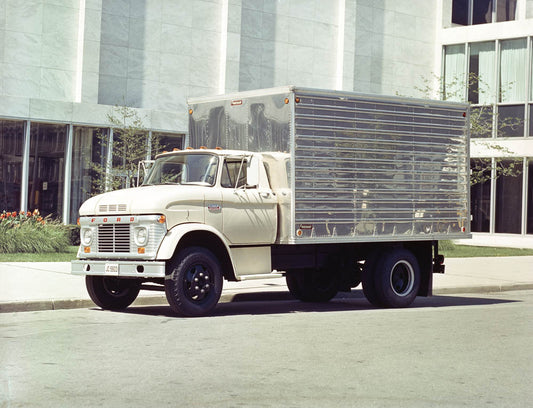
{"x":274,"y":303}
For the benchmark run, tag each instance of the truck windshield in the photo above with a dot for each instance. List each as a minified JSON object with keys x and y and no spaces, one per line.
{"x":199,"y":169}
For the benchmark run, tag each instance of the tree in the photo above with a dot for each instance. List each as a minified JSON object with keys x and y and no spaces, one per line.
{"x":484,"y":121}
{"x":126,"y":146}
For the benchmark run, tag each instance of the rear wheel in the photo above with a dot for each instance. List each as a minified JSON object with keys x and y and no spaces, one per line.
{"x":112,"y":293}
{"x":391,"y":278}
{"x":313,"y":285}
{"x":194,"y":284}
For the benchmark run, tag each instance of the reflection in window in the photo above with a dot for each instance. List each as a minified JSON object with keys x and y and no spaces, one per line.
{"x":480,"y":195}
{"x":47,"y":168}
{"x":481,"y":121}
{"x":11,"y":147}
{"x":482,"y":73}
{"x":513,"y":61}
{"x":509,"y":200}
{"x":511,"y":121}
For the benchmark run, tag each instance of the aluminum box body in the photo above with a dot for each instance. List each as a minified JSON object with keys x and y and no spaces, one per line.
{"x":360,"y":167}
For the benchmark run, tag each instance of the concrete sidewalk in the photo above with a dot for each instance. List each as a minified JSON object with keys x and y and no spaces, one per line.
{"x":31,"y":286}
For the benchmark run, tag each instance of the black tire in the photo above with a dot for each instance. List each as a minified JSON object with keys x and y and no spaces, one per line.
{"x":313,"y":285}
{"x":194,"y":283}
{"x":395,"y":278}
{"x":112,"y":293}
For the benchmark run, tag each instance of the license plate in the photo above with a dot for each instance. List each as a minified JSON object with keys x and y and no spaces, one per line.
{"x":111,"y":268}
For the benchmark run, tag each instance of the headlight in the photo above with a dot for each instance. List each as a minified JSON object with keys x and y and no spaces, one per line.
{"x":141,"y":236}
{"x":86,"y":236}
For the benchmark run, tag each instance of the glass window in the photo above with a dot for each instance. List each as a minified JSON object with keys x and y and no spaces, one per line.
{"x":505,"y":10}
{"x":529,"y":229}
{"x":481,"y":121}
{"x":166,"y":142}
{"x":181,"y":168}
{"x":234,"y":174}
{"x":509,"y":200}
{"x":531,"y":120}
{"x":513,"y":61}
{"x":460,"y":12}
{"x":480,"y":195}
{"x":531,"y":79}
{"x":11,"y":148}
{"x":482,"y":73}
{"x":454,"y":72}
{"x":87,"y":150}
{"x":47,"y":168}
{"x":511,"y":121}
{"x":482,"y":12}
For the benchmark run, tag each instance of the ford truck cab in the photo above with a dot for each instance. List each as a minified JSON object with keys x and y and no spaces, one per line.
{"x":212,"y":210}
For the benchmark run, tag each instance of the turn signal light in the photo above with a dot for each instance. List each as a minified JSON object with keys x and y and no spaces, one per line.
{"x":87,"y":250}
{"x":162,"y":219}
{"x":141,"y":250}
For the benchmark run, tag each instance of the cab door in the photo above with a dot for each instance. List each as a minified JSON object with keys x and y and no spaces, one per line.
{"x":249,"y":209}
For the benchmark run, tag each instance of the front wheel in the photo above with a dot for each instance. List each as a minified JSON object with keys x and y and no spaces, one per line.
{"x":112,"y":293}
{"x":194,"y":283}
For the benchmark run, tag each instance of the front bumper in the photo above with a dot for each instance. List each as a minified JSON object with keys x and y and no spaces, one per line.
{"x":126,"y":269}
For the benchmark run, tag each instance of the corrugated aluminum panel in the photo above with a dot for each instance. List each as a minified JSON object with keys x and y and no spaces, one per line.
{"x":381,"y":167}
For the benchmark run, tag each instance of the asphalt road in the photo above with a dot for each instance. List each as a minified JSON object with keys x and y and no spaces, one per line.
{"x":445,"y":351}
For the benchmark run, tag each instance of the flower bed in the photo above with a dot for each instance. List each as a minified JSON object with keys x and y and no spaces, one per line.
{"x":30,"y":232}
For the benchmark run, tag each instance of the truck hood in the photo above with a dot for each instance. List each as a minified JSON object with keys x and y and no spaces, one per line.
{"x":143,"y":200}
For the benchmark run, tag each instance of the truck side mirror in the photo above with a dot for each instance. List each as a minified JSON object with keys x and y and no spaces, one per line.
{"x":252,"y":180}
{"x":143,"y":168}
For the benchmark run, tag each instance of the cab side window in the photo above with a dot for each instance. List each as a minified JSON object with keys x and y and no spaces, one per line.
{"x":231,"y":171}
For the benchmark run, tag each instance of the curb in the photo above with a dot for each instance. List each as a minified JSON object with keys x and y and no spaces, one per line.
{"x":61,"y":304}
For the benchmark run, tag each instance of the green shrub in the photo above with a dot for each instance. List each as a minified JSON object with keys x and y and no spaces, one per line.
{"x":73,"y":234}
{"x":446,"y":246}
{"x":29,"y":232}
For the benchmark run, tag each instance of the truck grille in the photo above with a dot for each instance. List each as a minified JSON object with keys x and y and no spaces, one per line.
{"x":114,"y":238}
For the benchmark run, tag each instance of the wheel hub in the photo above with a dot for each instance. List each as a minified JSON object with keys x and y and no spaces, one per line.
{"x":198,"y":283}
{"x":402,"y":278}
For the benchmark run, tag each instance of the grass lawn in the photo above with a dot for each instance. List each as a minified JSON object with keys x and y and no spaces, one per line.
{"x":448,"y":249}
{"x":467,"y":251}
{"x":46,"y":257}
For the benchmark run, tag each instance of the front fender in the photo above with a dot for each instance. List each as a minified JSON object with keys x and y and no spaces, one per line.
{"x":175,"y":234}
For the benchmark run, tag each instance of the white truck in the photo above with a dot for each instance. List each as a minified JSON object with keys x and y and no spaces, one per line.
{"x":328,"y":188}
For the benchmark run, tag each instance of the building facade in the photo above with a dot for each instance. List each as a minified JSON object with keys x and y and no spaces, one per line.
{"x":64,"y":64}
